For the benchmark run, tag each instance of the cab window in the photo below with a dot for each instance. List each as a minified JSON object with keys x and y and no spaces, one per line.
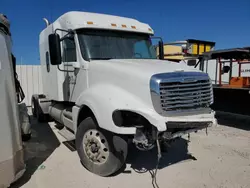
{"x":69,"y":50}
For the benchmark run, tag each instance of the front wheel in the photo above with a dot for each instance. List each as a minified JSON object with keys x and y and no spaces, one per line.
{"x":101,"y":152}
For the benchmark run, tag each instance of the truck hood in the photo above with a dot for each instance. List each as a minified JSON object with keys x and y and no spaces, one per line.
{"x":144,"y":67}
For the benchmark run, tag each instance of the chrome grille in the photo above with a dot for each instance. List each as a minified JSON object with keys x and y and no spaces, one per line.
{"x":179,"y":96}
{"x":181,"y":93}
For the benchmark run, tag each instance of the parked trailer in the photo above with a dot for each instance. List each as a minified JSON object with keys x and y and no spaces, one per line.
{"x":12,"y":164}
{"x":231,"y":86}
{"x":103,"y":82}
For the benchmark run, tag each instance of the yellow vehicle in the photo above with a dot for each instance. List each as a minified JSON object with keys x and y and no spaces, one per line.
{"x":189,"y":50}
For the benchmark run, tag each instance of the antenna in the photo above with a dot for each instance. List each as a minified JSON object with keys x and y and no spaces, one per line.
{"x":51,"y":15}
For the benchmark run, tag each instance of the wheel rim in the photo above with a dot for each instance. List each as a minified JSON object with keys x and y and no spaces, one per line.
{"x":95,"y":146}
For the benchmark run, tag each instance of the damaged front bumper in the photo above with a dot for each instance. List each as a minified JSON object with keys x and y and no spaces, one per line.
{"x":179,"y":128}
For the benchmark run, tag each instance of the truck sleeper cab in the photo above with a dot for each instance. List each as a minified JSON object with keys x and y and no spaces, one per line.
{"x":103,"y":82}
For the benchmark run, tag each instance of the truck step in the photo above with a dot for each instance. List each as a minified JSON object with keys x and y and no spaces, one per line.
{"x":67,"y":134}
{"x":70,"y":145}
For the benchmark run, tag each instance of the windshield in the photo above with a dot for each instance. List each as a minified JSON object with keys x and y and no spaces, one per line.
{"x":106,"y":44}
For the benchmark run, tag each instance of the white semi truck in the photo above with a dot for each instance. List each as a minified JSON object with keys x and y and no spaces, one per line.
{"x":103,"y":82}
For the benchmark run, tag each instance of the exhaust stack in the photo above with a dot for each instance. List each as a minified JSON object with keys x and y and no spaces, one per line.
{"x":46,"y":21}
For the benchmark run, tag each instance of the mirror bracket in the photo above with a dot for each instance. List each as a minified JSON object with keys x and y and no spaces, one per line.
{"x":70,"y":31}
{"x":160,"y":47}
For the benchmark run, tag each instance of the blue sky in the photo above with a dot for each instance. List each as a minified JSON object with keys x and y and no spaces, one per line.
{"x":227,"y":22}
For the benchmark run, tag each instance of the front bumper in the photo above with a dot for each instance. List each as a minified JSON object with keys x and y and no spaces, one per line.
{"x":179,"y":131}
{"x":161,"y":122}
{"x":182,"y":126}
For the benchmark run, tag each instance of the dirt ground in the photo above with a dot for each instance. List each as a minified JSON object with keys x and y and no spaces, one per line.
{"x":221,"y":160}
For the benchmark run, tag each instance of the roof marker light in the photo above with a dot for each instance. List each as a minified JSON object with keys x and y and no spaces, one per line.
{"x":149,"y":29}
{"x":124,"y":26}
{"x":133,"y":27}
{"x":114,"y":25}
{"x":90,"y":23}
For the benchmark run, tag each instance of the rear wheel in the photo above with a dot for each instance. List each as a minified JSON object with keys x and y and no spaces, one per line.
{"x":100,"y":151}
{"x":41,"y":117}
{"x":26,"y":137}
{"x":36,"y":110}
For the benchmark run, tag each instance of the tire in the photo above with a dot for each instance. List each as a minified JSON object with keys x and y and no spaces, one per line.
{"x":112,"y":151}
{"x":41,"y":117}
{"x":26,"y":137}
{"x":36,"y":110}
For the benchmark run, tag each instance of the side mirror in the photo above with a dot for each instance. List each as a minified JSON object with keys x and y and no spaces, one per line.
{"x":55,"y":49}
{"x":161,"y":49}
